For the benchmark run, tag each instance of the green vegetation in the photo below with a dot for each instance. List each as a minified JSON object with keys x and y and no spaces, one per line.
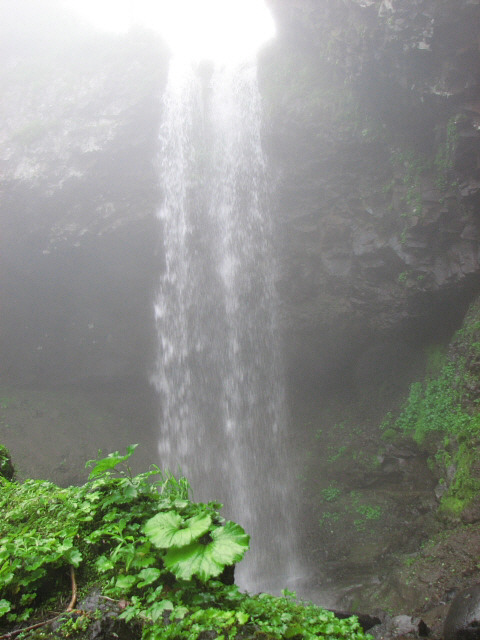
{"x":434,"y":406}
{"x":6,"y":466}
{"x":139,"y":541}
{"x":415,"y":168}
{"x":331,"y":493}
{"x":441,"y":415}
{"x":365,"y":513}
{"x":445,"y":157}
{"x":351,"y":507}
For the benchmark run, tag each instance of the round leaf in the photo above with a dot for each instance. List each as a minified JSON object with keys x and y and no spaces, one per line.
{"x":227,"y":546}
{"x":229,"y":543}
{"x":194,"y":559}
{"x":169,"y":529}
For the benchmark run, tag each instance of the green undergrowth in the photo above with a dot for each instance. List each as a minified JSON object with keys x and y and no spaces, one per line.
{"x":6,"y":466}
{"x":141,"y":543}
{"x":441,"y":414}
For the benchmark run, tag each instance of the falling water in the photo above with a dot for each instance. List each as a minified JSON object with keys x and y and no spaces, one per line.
{"x":219,"y":372}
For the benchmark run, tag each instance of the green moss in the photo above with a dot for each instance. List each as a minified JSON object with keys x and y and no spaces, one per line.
{"x":445,"y":156}
{"x":466,"y":482}
{"x":434,"y":406}
{"x":451,"y":506}
{"x":331,"y":493}
{"x":6,"y":466}
{"x":441,"y":414}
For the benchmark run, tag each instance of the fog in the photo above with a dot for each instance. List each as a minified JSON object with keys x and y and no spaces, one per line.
{"x":220,"y":266}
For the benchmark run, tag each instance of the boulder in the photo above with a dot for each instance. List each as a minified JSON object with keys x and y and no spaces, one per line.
{"x":463,"y":618}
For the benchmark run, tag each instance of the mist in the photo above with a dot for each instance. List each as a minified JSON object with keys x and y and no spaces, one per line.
{"x":242,"y":268}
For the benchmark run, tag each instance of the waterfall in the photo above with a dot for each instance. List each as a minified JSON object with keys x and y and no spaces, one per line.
{"x":219,"y":372}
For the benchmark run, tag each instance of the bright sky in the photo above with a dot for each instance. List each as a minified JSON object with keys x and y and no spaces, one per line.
{"x":215,"y":29}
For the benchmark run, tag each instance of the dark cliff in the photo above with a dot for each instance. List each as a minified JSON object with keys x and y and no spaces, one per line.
{"x":80,"y":116}
{"x":372,"y":130}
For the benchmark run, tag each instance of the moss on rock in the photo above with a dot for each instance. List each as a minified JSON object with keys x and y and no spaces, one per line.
{"x":6,"y":466}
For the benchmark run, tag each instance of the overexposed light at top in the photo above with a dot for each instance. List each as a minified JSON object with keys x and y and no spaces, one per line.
{"x":108,"y":15}
{"x":218,"y":30}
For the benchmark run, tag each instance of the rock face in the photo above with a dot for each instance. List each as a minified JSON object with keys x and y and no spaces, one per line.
{"x":463,"y":618}
{"x":372,"y":128}
{"x":373,"y":132}
{"x":80,"y":116}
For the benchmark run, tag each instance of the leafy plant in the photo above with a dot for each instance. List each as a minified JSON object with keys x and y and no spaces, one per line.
{"x":331,"y":493}
{"x":207,"y":557}
{"x":141,"y":538}
{"x":441,"y":414}
{"x":104,"y":465}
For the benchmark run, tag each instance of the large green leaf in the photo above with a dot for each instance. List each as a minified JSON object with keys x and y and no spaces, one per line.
{"x":230,"y":543}
{"x":169,"y":529}
{"x":227,"y":546}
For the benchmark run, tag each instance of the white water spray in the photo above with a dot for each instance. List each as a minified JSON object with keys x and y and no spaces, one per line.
{"x":219,"y":372}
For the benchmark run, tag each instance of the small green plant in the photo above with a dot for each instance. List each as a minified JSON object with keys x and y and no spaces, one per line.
{"x":445,"y":157}
{"x":434,"y":406}
{"x":328,"y":517}
{"x":331,"y":493}
{"x":367,"y":512}
{"x":336,"y":452}
{"x":6,"y":465}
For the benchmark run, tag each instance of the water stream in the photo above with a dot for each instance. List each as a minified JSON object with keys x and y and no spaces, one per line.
{"x":219,"y":372}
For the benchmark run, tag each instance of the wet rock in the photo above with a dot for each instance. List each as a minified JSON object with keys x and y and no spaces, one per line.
{"x":463,"y":618}
{"x":368,"y":247}
{"x":400,"y":627}
{"x":471,"y":514}
{"x":108,"y":625}
{"x":366,"y":621}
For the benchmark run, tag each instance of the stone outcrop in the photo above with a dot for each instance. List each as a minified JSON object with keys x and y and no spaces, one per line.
{"x":373,"y":134}
{"x":463,"y":618}
{"x":372,"y":123}
{"x":80,"y":116}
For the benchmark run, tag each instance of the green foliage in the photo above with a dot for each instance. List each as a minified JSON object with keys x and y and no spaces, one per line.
{"x":331,"y":493}
{"x":47,"y":529}
{"x":413,"y":166}
{"x":6,"y":466}
{"x":445,"y":157}
{"x":336,"y":452}
{"x":138,"y":538}
{"x":171,"y":530}
{"x":236,"y":615}
{"x":102,"y":466}
{"x":207,"y":557}
{"x":328,"y":517}
{"x":435,"y":359}
{"x":441,"y":414}
{"x":364,"y":513}
{"x":434,"y":406}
